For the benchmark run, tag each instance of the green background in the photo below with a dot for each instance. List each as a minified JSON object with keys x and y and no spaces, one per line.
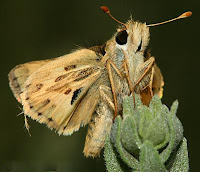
{"x":40,"y":29}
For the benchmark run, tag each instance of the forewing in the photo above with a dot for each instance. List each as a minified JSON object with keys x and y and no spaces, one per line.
{"x":19,"y":74}
{"x":54,"y":91}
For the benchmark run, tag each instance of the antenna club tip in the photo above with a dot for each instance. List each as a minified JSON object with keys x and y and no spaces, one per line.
{"x":105,"y":9}
{"x":186,"y":14}
{"x":189,"y":13}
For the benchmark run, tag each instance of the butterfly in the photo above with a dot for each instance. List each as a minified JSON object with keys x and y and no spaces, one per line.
{"x":88,"y":86}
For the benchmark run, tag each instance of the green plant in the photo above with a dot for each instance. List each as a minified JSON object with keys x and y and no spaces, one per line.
{"x":146,"y":139}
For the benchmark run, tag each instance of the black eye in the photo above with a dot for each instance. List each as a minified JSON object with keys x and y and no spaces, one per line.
{"x":121,"y":37}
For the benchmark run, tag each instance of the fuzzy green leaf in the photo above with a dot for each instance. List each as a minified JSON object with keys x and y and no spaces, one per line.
{"x":116,"y":139}
{"x":149,"y":159}
{"x":147,"y":139}
{"x":181,"y":161}
{"x":110,"y":157}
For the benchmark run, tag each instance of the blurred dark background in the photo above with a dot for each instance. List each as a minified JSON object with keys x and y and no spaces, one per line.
{"x":34,"y":29}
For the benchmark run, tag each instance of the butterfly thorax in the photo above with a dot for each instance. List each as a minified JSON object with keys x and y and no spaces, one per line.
{"x":126,"y":51}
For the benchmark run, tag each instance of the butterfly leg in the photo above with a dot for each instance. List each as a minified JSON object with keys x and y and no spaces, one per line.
{"x":26,"y":124}
{"x":146,"y":93}
{"x":146,"y":68}
{"x":25,"y":120}
{"x":112,"y":86}
{"x":128,"y":77}
{"x":116,"y":69}
{"x":105,"y":93}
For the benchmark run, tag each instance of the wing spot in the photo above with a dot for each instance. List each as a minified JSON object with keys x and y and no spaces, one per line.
{"x":15,"y":84}
{"x":27,"y":98}
{"x":50,"y":119}
{"x":28,"y":85}
{"x":81,"y":78}
{"x":60,"y":78}
{"x":69,"y":67}
{"x":89,"y":128}
{"x":39,"y":114}
{"x":31,"y":107}
{"x":68,"y":91}
{"x":84,"y":74}
{"x":47,"y":101}
{"x":14,"y":78}
{"x":88,"y":135}
{"x":39,"y":86}
{"x":53,"y":105}
{"x":75,"y":95}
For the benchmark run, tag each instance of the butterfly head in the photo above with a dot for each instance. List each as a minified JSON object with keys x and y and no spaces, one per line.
{"x":133,"y":36}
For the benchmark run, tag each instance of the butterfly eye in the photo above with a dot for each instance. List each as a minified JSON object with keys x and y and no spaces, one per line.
{"x":121,"y":37}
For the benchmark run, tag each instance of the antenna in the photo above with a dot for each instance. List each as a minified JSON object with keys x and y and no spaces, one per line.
{"x":107,"y":11}
{"x":184,"y":15}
